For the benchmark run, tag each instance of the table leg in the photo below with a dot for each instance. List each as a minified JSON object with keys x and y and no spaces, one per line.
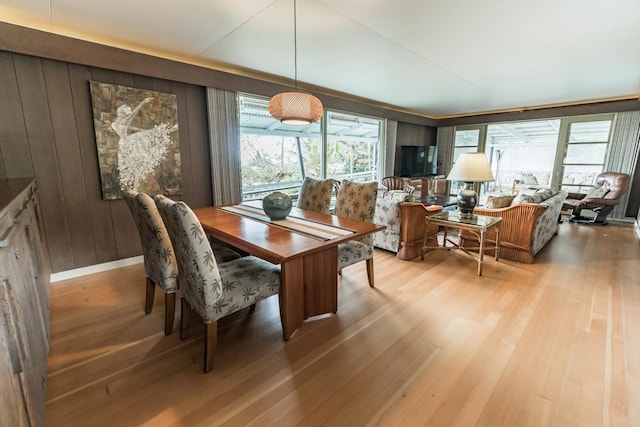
{"x":291,"y":296}
{"x":497,"y":250}
{"x":321,"y":282}
{"x":481,"y":254}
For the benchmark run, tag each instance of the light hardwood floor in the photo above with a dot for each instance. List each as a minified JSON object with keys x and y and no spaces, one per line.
{"x":553,"y":343}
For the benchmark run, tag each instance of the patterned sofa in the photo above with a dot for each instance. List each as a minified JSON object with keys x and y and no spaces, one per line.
{"x":405,"y":223}
{"x":529,"y":221}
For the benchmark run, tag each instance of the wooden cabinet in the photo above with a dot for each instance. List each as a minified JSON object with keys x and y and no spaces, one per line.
{"x":24,"y":305}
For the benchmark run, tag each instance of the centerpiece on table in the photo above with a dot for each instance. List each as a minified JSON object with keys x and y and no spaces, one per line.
{"x":277,"y":205}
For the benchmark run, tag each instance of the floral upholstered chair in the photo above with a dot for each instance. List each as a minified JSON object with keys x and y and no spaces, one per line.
{"x":160,"y":266}
{"x":358,"y":201}
{"x":315,"y":195}
{"x":213,"y":290}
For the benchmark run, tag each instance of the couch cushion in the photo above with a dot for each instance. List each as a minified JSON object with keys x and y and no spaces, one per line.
{"x":496,"y":202}
{"x":538,"y":196}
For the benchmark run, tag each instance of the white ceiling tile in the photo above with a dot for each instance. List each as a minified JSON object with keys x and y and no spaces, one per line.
{"x":432,"y":57}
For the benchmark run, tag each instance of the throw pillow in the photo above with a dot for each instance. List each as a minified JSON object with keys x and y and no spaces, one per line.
{"x":522,"y":198}
{"x":545,"y":193}
{"x":497,"y":202}
{"x":597,"y":193}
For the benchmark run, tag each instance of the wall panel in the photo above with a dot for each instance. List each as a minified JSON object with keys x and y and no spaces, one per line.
{"x":13,"y":135}
{"x":47,"y":132}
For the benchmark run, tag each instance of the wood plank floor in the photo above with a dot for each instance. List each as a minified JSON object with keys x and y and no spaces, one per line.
{"x":553,"y":343}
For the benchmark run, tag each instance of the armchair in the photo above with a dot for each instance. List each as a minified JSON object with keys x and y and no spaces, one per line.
{"x":604,"y":196}
{"x":390,"y":183}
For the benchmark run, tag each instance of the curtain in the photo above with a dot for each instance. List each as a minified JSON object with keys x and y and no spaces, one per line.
{"x":389,"y":159}
{"x":445,"y":142}
{"x":224,"y":143}
{"x":623,"y":152}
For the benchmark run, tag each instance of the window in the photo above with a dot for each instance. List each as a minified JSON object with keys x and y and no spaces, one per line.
{"x":468,"y":140}
{"x":277,"y":157}
{"x":564,"y":152}
{"x":521,"y":148}
{"x":586,"y":141}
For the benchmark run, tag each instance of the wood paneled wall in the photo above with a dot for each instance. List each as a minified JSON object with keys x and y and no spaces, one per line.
{"x":46,"y":131}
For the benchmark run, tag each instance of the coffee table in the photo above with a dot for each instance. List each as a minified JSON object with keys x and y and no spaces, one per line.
{"x":477,"y":224}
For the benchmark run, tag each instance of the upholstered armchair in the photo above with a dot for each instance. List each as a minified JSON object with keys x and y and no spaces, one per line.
{"x":603,"y":197}
{"x":390,"y":183}
{"x":358,"y":201}
{"x":213,"y":290}
{"x":315,"y":195}
{"x":160,"y":266}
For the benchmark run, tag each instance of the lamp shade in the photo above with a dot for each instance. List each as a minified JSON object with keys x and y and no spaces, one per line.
{"x":296,"y":108}
{"x":471,"y":167}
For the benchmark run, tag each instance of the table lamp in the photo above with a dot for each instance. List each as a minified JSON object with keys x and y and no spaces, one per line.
{"x":470,"y":168}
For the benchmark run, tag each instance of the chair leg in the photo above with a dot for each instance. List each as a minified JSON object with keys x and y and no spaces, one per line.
{"x":370,"y":272}
{"x":185,"y":315}
{"x":210,"y":341}
{"x":150,"y":294}
{"x":169,"y":312}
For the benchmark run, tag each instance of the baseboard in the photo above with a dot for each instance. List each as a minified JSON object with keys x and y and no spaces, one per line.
{"x":97,"y":268}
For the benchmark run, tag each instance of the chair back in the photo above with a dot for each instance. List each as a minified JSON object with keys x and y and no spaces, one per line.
{"x":390,"y":183}
{"x":159,"y":260}
{"x":315,"y":195}
{"x":357,"y":200}
{"x":200,"y":282}
{"x":617,"y":183}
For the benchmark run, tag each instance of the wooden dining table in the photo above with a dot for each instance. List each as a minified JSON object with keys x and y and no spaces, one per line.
{"x":308,"y":264}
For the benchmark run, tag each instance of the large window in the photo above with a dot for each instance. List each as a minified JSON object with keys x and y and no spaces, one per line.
{"x":277,"y":157}
{"x":565,"y":152}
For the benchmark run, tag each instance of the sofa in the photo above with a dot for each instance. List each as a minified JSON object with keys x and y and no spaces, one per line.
{"x":405,"y":221}
{"x":529,"y":221}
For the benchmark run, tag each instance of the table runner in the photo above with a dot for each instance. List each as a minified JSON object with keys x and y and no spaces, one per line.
{"x":307,"y":227}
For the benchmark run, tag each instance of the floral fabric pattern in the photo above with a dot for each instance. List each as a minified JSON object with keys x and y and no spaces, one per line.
{"x":213,"y":290}
{"x":547,"y":224}
{"x":315,"y":195}
{"x":159,"y":260}
{"x":358,"y":201}
{"x":387,"y":213}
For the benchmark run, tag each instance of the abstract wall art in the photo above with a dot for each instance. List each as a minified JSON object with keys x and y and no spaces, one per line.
{"x":137,"y":140}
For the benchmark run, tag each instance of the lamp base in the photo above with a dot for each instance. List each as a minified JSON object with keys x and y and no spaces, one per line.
{"x":467,"y":200}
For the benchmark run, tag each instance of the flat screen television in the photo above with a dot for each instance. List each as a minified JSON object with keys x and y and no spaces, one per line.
{"x":418,"y":161}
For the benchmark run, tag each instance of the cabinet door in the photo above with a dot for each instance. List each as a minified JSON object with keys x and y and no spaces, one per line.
{"x":37,"y":254}
{"x":29,"y":327}
{"x":12,"y":405}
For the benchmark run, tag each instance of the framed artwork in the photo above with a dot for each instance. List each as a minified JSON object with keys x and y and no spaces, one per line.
{"x":137,"y":140}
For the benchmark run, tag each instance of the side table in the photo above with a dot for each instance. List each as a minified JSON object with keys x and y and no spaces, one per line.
{"x":477,"y":224}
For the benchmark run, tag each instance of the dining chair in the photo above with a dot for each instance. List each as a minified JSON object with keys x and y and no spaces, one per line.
{"x":160,"y":267}
{"x":358,"y":201}
{"x":212,"y":289}
{"x":315,"y":195}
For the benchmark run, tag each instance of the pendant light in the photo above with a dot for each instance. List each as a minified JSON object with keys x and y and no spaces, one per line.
{"x":295,"y":107}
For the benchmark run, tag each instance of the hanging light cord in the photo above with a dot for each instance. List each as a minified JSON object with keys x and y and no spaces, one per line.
{"x":295,"y":46}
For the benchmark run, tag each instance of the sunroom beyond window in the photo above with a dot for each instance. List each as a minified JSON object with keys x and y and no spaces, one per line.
{"x":277,"y":156}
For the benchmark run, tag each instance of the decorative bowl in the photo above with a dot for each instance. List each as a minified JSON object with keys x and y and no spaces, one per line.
{"x":277,"y":205}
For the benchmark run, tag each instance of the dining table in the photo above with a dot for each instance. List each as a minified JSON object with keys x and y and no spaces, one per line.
{"x":304,"y":244}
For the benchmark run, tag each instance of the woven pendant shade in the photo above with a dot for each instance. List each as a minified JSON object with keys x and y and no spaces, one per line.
{"x":295,"y":108}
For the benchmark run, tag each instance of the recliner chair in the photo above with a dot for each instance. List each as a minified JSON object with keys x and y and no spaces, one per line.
{"x":604,"y":196}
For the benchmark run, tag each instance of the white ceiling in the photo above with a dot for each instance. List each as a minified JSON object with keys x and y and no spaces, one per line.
{"x":438,"y":58}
